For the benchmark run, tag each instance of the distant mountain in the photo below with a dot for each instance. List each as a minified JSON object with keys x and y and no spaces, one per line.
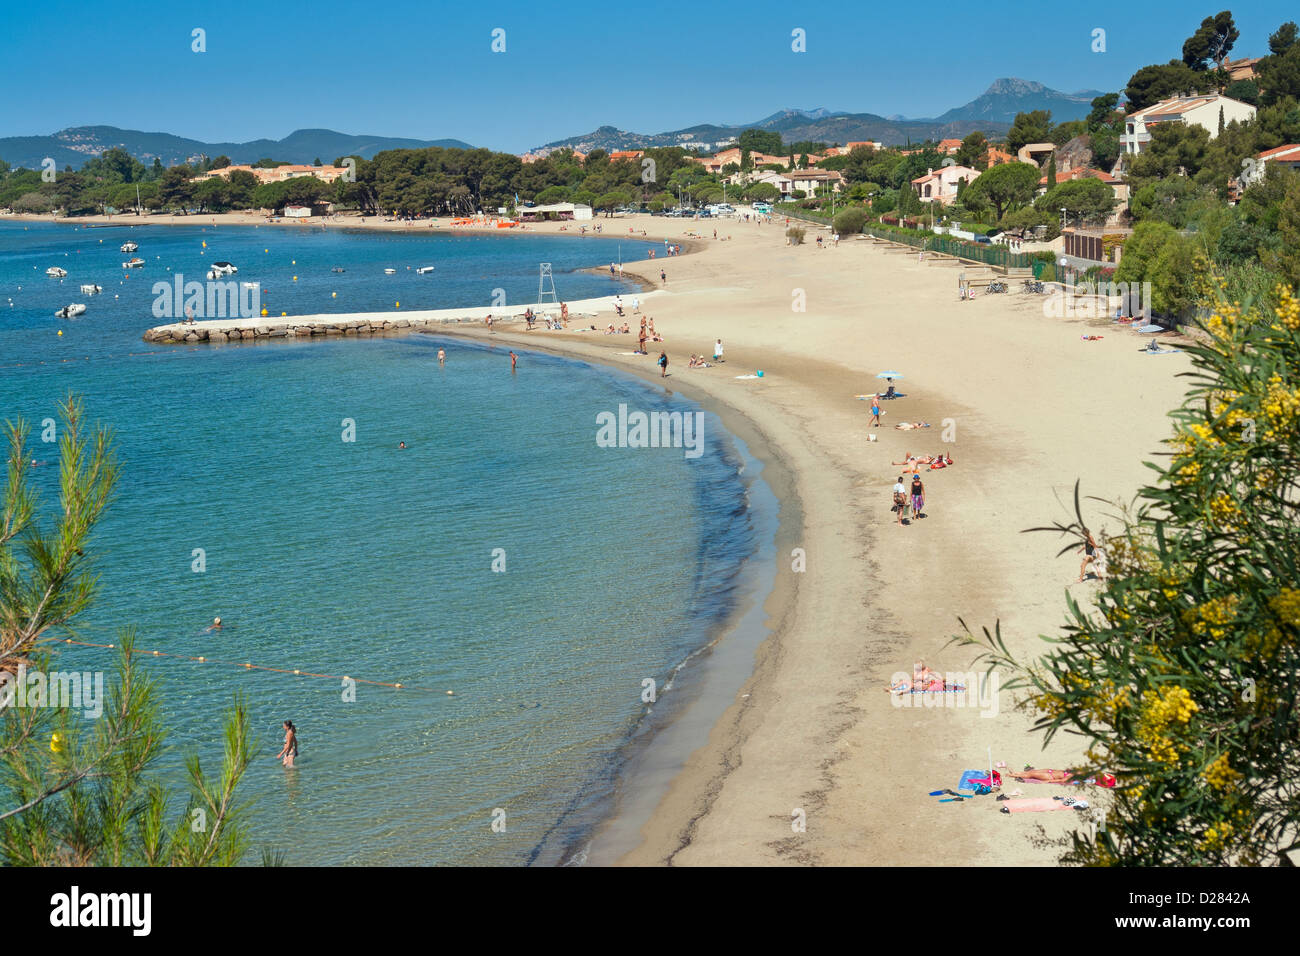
{"x":793,"y":125}
{"x":72,"y":147}
{"x":1006,"y":97}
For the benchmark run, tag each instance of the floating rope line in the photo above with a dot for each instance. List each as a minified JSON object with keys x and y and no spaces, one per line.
{"x":260,"y":667}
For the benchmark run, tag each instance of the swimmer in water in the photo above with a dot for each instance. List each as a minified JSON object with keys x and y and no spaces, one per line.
{"x":214,"y":626}
{"x":290,"y":748}
{"x":513,"y":359}
{"x":442,"y":357}
{"x":401,"y":444}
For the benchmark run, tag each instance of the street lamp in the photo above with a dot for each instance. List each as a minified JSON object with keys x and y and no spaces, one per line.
{"x":1063,"y":219}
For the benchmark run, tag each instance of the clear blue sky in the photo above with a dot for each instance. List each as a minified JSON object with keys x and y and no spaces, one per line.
{"x":426,"y":69}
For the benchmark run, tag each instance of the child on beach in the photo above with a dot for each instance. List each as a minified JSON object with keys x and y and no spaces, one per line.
{"x":663,"y":364}
{"x":717,"y":351}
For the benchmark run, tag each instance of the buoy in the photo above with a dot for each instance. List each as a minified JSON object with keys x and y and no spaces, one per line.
{"x":264,"y":312}
{"x":205,"y":243}
{"x":60,"y":331}
{"x":266,"y":250}
{"x":397,"y":305}
{"x":295,"y":278}
{"x":450,"y":693}
{"x":334,"y":295}
{"x":284,"y":313}
{"x":295,"y":262}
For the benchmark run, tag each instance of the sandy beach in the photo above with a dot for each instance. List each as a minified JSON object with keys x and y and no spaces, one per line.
{"x":1034,"y":408}
{"x":1030,"y":406}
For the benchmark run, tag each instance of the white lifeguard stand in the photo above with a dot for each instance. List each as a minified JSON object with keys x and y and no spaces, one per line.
{"x":543,"y":279}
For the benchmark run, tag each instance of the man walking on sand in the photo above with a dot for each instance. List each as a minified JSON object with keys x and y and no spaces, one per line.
{"x":875,"y":411}
{"x":900,"y":499}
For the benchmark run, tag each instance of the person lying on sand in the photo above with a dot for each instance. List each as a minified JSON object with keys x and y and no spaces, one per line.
{"x":924,"y":680}
{"x":1103,"y":779}
{"x":905,"y":426}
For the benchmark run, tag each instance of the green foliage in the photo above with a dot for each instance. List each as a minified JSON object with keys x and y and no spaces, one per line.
{"x":1151,"y":84}
{"x":72,"y":793}
{"x":850,"y":221}
{"x":1247,"y":91}
{"x":1031,"y":127}
{"x":1279,"y":75}
{"x":1212,"y":42}
{"x":1005,"y":186}
{"x":1087,"y":200}
{"x":1104,"y":113}
{"x":1157,"y":253}
{"x":1183,"y":679}
{"x":761,"y":141}
{"x":974,"y":151}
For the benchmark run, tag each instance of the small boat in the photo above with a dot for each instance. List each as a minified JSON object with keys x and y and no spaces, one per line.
{"x":91,"y":290}
{"x":55,"y":272}
{"x":389,"y":272}
{"x":129,"y":247}
{"x":224,"y":268}
{"x":71,"y":311}
{"x":424,"y":269}
{"x":249,"y":285}
{"x":136,"y":263}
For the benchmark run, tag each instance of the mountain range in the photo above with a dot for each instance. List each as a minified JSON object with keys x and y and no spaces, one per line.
{"x":992,"y":113}
{"x":72,"y":147}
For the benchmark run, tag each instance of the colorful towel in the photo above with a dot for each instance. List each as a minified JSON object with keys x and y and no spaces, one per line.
{"x":972,"y":779}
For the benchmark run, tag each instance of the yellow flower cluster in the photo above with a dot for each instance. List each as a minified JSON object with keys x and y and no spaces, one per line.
{"x":1216,"y":837}
{"x":1281,"y":407}
{"x":1213,"y":616}
{"x":1286,"y":605}
{"x":1288,"y":313}
{"x":1224,"y":321}
{"x":1220,"y":774}
{"x":1224,"y":510}
{"x":1174,"y":706}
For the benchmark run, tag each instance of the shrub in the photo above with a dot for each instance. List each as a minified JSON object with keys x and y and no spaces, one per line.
{"x":795,"y":234}
{"x":850,"y":221}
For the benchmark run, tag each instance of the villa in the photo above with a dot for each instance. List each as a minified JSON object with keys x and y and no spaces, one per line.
{"x":276,"y":174}
{"x":1288,"y":156}
{"x":941,"y":184}
{"x":1203,"y":110}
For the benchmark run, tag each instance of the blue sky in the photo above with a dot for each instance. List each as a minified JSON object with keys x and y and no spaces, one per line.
{"x":426,"y":69}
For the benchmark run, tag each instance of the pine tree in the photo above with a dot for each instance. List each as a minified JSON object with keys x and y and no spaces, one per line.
{"x":73,"y":791}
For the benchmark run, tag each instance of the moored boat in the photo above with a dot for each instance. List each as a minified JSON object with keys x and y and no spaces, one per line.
{"x":55,"y":272}
{"x":129,"y":247}
{"x":90,"y":289}
{"x":136,"y":263}
{"x":71,"y":311}
{"x":424,"y":269}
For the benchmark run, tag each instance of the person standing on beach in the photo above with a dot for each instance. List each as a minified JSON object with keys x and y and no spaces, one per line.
{"x":717,"y":351}
{"x":875,"y":411}
{"x":918,"y":495}
{"x":641,"y":340}
{"x":663,"y":276}
{"x":900,"y":499}
{"x":290,"y":748}
{"x":1089,"y":550}
{"x":663,"y":364}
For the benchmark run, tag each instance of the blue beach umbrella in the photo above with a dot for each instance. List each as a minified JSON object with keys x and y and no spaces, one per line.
{"x":889,"y":375}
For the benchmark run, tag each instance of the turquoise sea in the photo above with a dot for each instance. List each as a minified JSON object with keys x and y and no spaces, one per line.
{"x":357,"y":558}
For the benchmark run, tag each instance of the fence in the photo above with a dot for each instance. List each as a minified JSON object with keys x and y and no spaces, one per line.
{"x":975,"y":251}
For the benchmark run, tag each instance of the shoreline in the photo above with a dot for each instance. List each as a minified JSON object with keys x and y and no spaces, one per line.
{"x":811,"y":732}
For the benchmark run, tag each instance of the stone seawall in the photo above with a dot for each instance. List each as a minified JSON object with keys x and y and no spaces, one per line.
{"x":290,"y":329}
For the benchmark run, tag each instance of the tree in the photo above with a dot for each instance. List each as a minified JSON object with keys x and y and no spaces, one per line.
{"x":1279,"y":75}
{"x":761,"y":141}
{"x":1184,"y":678}
{"x":974,"y":151}
{"x":1211,"y":42}
{"x":1006,"y":185}
{"x":1283,"y":38}
{"x":1089,"y":200}
{"x":1151,"y":84}
{"x":1284,"y":258}
{"x":1157,"y":253}
{"x":175,"y":189}
{"x":1103,"y":111}
{"x":1031,"y":127}
{"x":1247,"y":91}
{"x":1051,"y":171}
{"x":762,"y":192}
{"x":71,"y":796}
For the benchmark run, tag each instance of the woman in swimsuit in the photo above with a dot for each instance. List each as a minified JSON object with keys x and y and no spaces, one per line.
{"x":1089,"y":550}
{"x":290,"y":748}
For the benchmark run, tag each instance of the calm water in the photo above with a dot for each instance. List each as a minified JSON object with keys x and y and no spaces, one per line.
{"x":356,"y":558}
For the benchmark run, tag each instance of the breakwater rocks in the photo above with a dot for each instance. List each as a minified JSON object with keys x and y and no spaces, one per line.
{"x":181,"y":334}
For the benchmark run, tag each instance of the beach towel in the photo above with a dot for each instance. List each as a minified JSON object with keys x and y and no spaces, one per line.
{"x":973,"y":779}
{"x":1034,"y":805}
{"x":1101,"y":780}
{"x":1149,"y":328}
{"x":1160,"y":351}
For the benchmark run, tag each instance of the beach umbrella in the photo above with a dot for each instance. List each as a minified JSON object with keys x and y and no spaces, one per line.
{"x":889,"y":375}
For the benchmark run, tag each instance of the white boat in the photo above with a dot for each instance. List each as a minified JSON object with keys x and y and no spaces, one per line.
{"x":55,"y":272}
{"x":249,"y":285}
{"x":423,"y":269}
{"x":224,"y":268}
{"x":91,"y":290}
{"x":71,"y":311}
{"x":129,"y":247}
{"x":136,"y":263}
{"x":389,"y":272}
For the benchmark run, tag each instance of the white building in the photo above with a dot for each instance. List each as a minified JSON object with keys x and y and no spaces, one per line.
{"x":1201,"y":110}
{"x":941,"y":184}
